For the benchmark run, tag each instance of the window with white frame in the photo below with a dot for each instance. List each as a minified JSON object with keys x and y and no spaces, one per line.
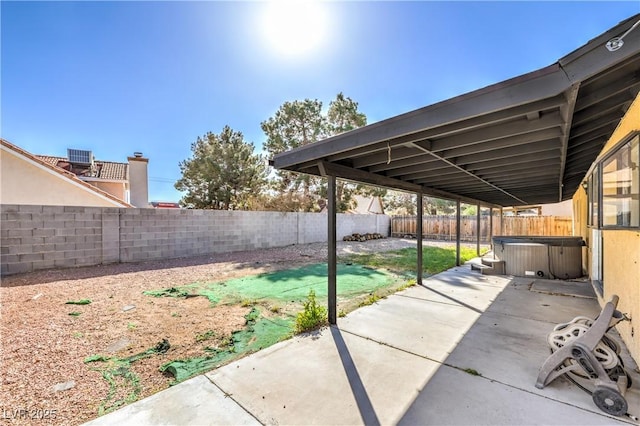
{"x":620,"y":186}
{"x":593,"y":193}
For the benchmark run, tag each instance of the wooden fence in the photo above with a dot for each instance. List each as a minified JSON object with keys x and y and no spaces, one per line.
{"x":444,"y":227}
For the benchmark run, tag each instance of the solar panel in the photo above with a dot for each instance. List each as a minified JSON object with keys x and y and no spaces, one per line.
{"x":79,"y":156}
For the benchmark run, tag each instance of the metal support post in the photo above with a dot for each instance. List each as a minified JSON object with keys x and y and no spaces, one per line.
{"x":331,"y":248}
{"x":478,"y":230}
{"x":457,"y":232}
{"x":491,"y":230}
{"x":419,"y":238}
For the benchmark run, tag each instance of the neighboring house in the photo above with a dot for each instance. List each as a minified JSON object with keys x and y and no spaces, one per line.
{"x":165,"y":205}
{"x":607,"y":215}
{"x":563,"y":209}
{"x":43,"y":180}
{"x":126,"y":181}
{"x":367,"y":205}
{"x":363,"y":205}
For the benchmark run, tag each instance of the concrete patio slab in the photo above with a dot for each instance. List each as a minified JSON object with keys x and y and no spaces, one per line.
{"x":564,"y":288}
{"x":333,"y":377}
{"x":194,"y":402}
{"x":453,"y":397}
{"x":523,"y":303}
{"x":518,"y":351}
{"x":477,"y":296}
{"x":418,"y":326}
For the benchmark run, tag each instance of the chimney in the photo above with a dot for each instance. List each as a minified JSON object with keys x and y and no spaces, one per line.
{"x":138,"y":180}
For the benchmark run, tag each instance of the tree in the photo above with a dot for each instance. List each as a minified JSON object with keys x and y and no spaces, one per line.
{"x":295,"y":124}
{"x":469,"y":210}
{"x":397,"y":202}
{"x":405,"y":203}
{"x":343,"y":116}
{"x":438,"y":206}
{"x":222,"y":174}
{"x":299,"y":123}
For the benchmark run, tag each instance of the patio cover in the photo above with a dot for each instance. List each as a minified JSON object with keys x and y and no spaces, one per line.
{"x":527,"y":140}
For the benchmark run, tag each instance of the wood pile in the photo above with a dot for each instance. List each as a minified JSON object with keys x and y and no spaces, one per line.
{"x":362,"y":237}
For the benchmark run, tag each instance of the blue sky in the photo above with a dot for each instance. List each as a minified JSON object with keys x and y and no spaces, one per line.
{"x":119,"y":77}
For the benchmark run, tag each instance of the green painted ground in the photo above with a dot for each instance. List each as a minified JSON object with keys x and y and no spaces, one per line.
{"x":258,"y":333}
{"x":283,"y":293}
{"x":291,"y":285}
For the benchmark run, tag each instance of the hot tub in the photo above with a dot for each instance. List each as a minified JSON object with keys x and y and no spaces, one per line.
{"x":542,"y":257}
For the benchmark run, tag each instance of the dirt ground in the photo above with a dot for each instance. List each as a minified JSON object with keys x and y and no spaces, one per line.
{"x":42,"y":345}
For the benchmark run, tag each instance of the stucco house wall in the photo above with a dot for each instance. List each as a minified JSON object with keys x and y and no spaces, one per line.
{"x":25,"y":180}
{"x":117,"y":189}
{"x":138,"y":180}
{"x":620,"y":248}
{"x":563,"y":209}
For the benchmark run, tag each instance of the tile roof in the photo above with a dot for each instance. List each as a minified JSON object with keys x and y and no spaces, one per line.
{"x":104,"y":169}
{"x":48,"y":162}
{"x":111,"y":170}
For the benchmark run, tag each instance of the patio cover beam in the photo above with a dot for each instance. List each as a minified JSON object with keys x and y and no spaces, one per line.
{"x":551,"y":157}
{"x":629,"y":83}
{"x":514,"y":151}
{"x":503,"y":142}
{"x":502,"y":167}
{"x":418,"y":160}
{"x":356,"y":175}
{"x":395,"y":167}
{"x":435,"y":165}
{"x":400,"y":153}
{"x":521,"y":127}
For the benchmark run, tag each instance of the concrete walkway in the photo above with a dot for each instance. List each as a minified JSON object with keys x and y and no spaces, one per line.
{"x":403,"y":361}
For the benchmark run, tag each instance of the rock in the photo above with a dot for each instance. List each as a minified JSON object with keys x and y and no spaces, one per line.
{"x":128,"y":308}
{"x":37,"y":296}
{"x":59,"y":387}
{"x":118,"y":345}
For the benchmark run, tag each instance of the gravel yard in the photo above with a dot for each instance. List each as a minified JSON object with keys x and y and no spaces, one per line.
{"x":45,"y":341}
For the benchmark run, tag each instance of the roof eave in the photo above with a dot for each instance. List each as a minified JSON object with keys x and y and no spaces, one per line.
{"x":537,"y":85}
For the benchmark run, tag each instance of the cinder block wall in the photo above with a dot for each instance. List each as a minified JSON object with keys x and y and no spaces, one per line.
{"x":162,"y":234}
{"x":43,"y":237}
{"x":383,"y":224}
{"x":312,"y":228}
